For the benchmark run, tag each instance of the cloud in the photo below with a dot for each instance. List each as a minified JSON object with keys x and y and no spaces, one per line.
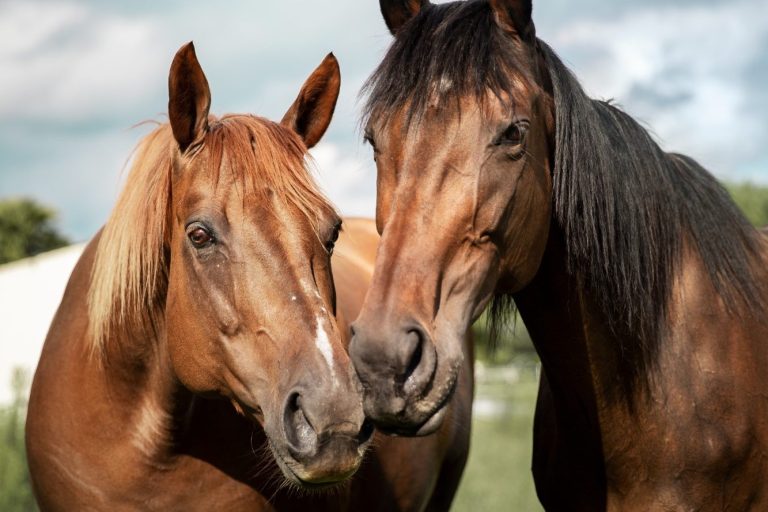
{"x":681,"y":70}
{"x":349,"y":181}
{"x":73,"y":64}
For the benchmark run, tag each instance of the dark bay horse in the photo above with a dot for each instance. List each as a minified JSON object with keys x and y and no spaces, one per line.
{"x":213,"y":279}
{"x":642,"y":285}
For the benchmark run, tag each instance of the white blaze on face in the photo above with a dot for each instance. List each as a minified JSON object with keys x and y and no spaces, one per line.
{"x":323,"y":344}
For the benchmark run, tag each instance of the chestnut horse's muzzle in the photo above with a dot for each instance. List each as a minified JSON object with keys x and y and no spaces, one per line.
{"x":322,"y":449}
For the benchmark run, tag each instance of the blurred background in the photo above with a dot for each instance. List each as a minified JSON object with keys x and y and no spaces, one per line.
{"x":77,"y":76}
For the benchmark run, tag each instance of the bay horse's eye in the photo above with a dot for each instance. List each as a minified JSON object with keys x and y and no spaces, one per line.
{"x":368,"y":138}
{"x":199,"y":236}
{"x":514,"y":135}
{"x":331,"y":242}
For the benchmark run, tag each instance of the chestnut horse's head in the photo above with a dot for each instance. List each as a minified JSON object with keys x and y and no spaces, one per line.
{"x":244,"y":245}
{"x":461,"y":125}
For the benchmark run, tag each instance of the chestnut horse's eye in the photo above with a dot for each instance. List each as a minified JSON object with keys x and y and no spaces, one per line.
{"x":331,"y":242}
{"x":199,"y":236}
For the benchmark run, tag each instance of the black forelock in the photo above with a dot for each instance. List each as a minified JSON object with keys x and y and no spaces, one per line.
{"x":460,"y":42}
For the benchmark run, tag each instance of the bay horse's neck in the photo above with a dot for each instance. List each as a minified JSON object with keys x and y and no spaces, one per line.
{"x":603,"y":445}
{"x":567,"y":422}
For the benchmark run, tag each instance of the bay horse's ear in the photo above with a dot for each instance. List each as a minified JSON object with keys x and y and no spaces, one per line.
{"x":397,"y":12}
{"x":189,"y":98}
{"x":311,"y":113}
{"x":515,"y":16}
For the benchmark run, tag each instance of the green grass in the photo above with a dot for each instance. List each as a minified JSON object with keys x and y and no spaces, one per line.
{"x":15,"y":486}
{"x":498,"y":475}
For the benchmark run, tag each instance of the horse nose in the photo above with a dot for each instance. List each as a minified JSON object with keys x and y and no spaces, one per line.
{"x":324,"y":434}
{"x":299,"y":432}
{"x":403,"y":361}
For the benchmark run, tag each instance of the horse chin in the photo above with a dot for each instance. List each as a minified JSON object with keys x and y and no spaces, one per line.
{"x":296,"y":476}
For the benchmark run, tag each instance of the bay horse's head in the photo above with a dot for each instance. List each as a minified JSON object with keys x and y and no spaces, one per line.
{"x":460,"y":125}
{"x":245,"y":246}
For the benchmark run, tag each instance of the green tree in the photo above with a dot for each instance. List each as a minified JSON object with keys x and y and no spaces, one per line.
{"x":26,"y":229}
{"x":15,"y":486}
{"x":753,"y":201}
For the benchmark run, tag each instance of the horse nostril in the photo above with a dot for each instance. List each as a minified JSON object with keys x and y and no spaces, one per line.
{"x":421,"y":363}
{"x":415,"y":358}
{"x":301,"y":436}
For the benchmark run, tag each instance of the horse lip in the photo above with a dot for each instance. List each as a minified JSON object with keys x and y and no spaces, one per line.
{"x":431,"y":424}
{"x":285,"y":462}
{"x":320,"y":484}
{"x":428,"y":427}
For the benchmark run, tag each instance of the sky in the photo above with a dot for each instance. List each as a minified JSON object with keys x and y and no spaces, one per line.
{"x":76,"y":76}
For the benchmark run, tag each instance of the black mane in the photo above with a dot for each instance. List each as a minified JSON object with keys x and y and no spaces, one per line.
{"x":626,"y":208}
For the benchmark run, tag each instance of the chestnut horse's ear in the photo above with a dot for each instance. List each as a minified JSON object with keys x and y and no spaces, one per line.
{"x":311,"y":113}
{"x":515,"y":16}
{"x":189,"y":98}
{"x":397,"y":12}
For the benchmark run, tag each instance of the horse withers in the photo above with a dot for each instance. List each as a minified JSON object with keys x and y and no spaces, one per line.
{"x":642,"y":285}
{"x":197,"y":360}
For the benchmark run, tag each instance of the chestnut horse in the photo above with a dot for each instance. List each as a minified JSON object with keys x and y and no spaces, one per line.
{"x":212,"y":278}
{"x":642,"y":285}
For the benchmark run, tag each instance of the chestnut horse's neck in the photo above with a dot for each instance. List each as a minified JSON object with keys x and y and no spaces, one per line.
{"x":133,"y":369}
{"x":137,"y":369}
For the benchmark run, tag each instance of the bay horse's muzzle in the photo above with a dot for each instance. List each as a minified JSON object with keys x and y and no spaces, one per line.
{"x":397,"y":370}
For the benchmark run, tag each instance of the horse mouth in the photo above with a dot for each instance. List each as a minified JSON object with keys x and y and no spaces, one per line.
{"x":430,"y":426}
{"x":331,"y":465}
{"x":329,"y":482}
{"x":405,"y":425}
{"x":321,"y":484}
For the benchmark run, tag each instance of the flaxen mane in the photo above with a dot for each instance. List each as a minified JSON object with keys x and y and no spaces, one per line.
{"x":626,"y":208}
{"x":129,"y":277}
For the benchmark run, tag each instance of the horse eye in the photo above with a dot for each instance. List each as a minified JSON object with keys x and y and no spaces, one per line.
{"x":200,"y":237}
{"x":331,"y":242}
{"x":514,"y":135}
{"x":369,"y":140}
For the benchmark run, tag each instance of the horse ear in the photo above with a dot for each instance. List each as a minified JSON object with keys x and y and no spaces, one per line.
{"x":397,"y":12}
{"x":514,"y":16}
{"x":189,"y":98}
{"x":311,"y":113}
